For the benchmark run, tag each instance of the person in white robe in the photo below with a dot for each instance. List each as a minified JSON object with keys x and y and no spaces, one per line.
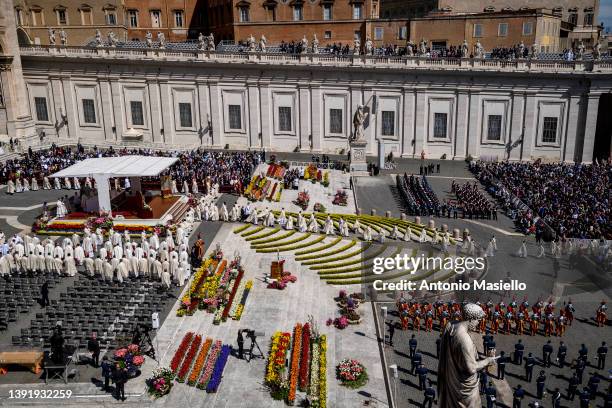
{"x":5,"y":267}
{"x":99,"y":267}
{"x":39,"y":252}
{"x":56,"y":183}
{"x":255,"y":217}
{"x":395,"y":232}
{"x":46,"y":183}
{"x":118,"y":252}
{"x":314,"y":225}
{"x":165,"y":278}
{"x":34,"y":184}
{"x":67,"y":183}
{"x":154,"y":241}
{"x":367,"y":233}
{"x":155,"y":268}
{"x":58,"y":251}
{"x":166,"y":267}
{"x":134,"y":269}
{"x":302,"y":226}
{"x":357,"y":227}
{"x":522,"y":252}
{"x":180,"y":276}
{"x":58,"y":265}
{"x":541,"y":251}
{"x":381,"y":236}
{"x":59,"y":212}
{"x":174,"y":266}
{"x":271,"y":219}
{"x":79,"y":254}
{"x":18,"y":186}
{"x":26,"y":184}
{"x":494,"y":242}
{"x":10,"y":187}
{"x":224,"y":213}
{"x":88,"y":182}
{"x":183,"y":256}
{"x":108,"y":271}
{"x":194,"y":186}
{"x":173,"y":189}
{"x":198,"y":213}
{"x":124,"y":268}
{"x":88,"y":246}
{"x":185,"y":187}
{"x":77,"y":183}
{"x":407,"y":233}
{"x":126,"y":236}
{"x":329,"y":226}
{"x":103,"y":252}
{"x":143,"y":266}
{"x":289,"y":224}
{"x":70,"y":266}
{"x":215,"y":213}
{"x":423,"y":236}
{"x":489,"y":252}
{"x":282,"y":218}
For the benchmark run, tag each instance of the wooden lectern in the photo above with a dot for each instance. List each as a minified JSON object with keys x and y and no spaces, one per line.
{"x":276,"y":269}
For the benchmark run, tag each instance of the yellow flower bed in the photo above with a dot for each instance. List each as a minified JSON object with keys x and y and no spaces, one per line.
{"x":323,"y":372}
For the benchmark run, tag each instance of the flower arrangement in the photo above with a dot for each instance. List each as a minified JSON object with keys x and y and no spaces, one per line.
{"x":295,"y":363}
{"x":325,"y":181}
{"x":129,"y":358}
{"x":277,"y":197}
{"x":341,"y":198}
{"x":322,"y":372}
{"x":235,"y":285}
{"x":217,"y":373}
{"x":276,"y":359}
{"x":313,"y":389}
{"x":276,"y":171}
{"x":339,"y":322}
{"x":310,"y":173}
{"x":160,"y":383}
{"x":318,"y":207}
{"x":304,"y":359}
{"x":186,"y":366}
{"x":210,"y":365}
{"x":104,"y":222}
{"x":302,"y":200}
{"x":180,"y":352}
{"x":351,"y":373}
{"x":199,"y":363}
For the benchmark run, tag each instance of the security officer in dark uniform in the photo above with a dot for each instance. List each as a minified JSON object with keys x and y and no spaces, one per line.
{"x":601,"y":356}
{"x":412,"y":344}
{"x":485,"y":341}
{"x":417,"y":359}
{"x":580,"y":366}
{"x":240,"y":345}
{"x":585,"y":398}
{"x":594,"y":384}
{"x":572,"y":388}
{"x":519,"y":348}
{"x":430,"y":396}
{"x":529,"y":364}
{"x":541,"y":384}
{"x":491,"y":395}
{"x":484,"y":379}
{"x":501,"y":365}
{"x":422,"y":374}
{"x":518,"y":396}
{"x":561,"y":354}
{"x":583,"y":353}
{"x":556,"y":398}
{"x":547,"y":351}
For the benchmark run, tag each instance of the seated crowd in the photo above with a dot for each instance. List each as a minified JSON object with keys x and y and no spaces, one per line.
{"x":231,"y":171}
{"x":472,"y":201}
{"x":418,"y":195}
{"x":573,"y":199}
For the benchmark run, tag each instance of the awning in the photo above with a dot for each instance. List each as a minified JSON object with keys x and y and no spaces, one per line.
{"x":122,"y":166}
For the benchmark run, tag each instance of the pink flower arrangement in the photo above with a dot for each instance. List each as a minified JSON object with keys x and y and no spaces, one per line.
{"x":138,"y":360}
{"x":133,"y":348}
{"x":121,"y":353}
{"x":210,"y":364}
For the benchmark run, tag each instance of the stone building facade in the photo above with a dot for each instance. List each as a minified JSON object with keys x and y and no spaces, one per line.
{"x":78,"y":19}
{"x":177,"y":20}
{"x":523,"y":109}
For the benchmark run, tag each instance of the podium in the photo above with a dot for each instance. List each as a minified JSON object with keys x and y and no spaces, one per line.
{"x":276,"y":269}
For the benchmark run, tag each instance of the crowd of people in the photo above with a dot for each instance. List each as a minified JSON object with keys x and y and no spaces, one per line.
{"x":510,"y":52}
{"x":199,"y":168}
{"x":418,"y":196}
{"x":573,"y":199}
{"x":472,"y":202}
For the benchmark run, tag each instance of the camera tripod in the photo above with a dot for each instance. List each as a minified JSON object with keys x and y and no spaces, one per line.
{"x":253,"y":345}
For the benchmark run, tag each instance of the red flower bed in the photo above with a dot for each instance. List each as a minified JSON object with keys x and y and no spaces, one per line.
{"x":232,"y":295}
{"x":195,"y":345}
{"x":295,"y":363}
{"x":180,"y":352}
{"x":304,"y":360}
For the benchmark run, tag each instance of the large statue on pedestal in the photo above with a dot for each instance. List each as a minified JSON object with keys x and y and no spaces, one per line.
{"x":358,"y":120}
{"x":459,"y":366}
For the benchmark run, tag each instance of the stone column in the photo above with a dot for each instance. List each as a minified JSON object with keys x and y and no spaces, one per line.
{"x":461,"y":136}
{"x":590,"y":126}
{"x":317,"y":124}
{"x":304,"y":110}
{"x":167,"y":112}
{"x":120,"y":120}
{"x":56,"y":104}
{"x":421,"y":125}
{"x":254,"y":128}
{"x":516,"y":125}
{"x":531,"y":131}
{"x":266,"y":117}
{"x":408,"y":124}
{"x":71,"y":110}
{"x":371,"y":134}
{"x":473,"y":142}
{"x":204,"y":110}
{"x":216,"y":114}
{"x":107,"y":109}
{"x":570,"y":151}
{"x":155,"y":108}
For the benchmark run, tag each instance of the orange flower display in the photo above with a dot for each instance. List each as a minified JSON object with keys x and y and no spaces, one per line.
{"x":295,"y":362}
{"x":199,"y":363}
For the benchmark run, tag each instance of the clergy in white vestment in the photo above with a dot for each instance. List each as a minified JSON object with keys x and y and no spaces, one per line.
{"x":46,"y":183}
{"x":56,"y":183}
{"x":79,"y":254}
{"x":10,"y":187}
{"x":34,"y":184}
{"x":89,"y":266}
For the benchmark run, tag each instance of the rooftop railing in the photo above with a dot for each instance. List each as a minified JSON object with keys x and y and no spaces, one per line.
{"x":346,"y":60}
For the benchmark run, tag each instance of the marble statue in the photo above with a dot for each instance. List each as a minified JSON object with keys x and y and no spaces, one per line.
{"x":368,"y":46}
{"x":161,"y":39}
{"x":521,"y":50}
{"x":533,"y":53}
{"x":423,"y":47}
{"x":263,"y":42}
{"x":597,"y":51}
{"x":251,"y":43}
{"x":51,"y":36}
{"x":459,"y":366}
{"x":580,"y":51}
{"x":304,"y":43}
{"x":315,"y":45}
{"x":479,"y":50}
{"x":358,"y":120}
{"x":202,"y":42}
{"x":211,"y":42}
{"x":63,"y":37}
{"x":112,"y":39}
{"x":99,"y":42}
{"x":149,"y":39}
{"x":356,"y":46}
{"x":464,"y":49}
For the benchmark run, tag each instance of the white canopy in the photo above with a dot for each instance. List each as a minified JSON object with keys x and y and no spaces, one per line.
{"x":103,"y":168}
{"x":122,"y":166}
